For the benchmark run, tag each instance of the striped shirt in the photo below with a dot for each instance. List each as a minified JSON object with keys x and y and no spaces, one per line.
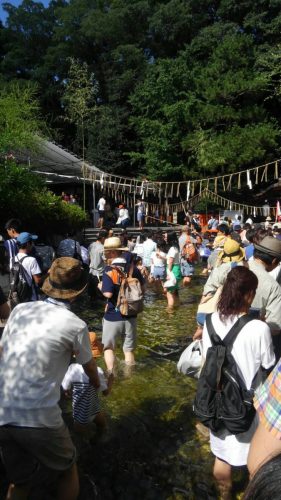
{"x":268,"y":402}
{"x":85,"y":399}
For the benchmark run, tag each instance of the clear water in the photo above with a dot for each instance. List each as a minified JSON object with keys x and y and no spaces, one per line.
{"x":152,"y":449}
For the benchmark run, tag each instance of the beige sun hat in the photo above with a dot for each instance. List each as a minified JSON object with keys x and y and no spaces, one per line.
{"x":232,"y":252}
{"x":269,"y":245}
{"x":66,"y":280}
{"x":114,"y":243}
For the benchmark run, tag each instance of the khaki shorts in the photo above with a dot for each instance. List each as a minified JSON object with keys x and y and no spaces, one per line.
{"x":111,"y":330}
{"x":24,"y":448}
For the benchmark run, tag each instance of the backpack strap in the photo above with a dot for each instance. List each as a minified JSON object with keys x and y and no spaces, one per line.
{"x":233,"y":332}
{"x":215,"y":339}
{"x":237,"y":327}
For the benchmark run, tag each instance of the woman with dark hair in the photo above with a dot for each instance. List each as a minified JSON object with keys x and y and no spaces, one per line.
{"x":252,"y":349}
{"x":173,"y":269}
{"x":266,"y":483}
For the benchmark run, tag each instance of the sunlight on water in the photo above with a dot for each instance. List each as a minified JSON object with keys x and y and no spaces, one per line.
{"x":152,"y":449}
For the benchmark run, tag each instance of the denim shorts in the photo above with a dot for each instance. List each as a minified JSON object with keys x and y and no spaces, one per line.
{"x":186,"y":268}
{"x":159,"y":272}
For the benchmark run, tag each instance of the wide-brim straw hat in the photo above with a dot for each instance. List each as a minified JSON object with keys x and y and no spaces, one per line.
{"x":114,"y":243}
{"x":66,"y":280}
{"x":270,"y":246}
{"x":232,"y":252}
{"x":219,"y":241}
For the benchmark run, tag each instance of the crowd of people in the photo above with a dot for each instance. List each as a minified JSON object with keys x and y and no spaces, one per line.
{"x":47,"y":350}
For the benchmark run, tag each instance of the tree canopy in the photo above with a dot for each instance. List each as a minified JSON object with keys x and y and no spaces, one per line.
{"x":182,"y":88}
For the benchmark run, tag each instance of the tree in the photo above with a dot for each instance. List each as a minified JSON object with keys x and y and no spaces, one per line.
{"x":24,"y":194}
{"x":20,"y":124}
{"x":79,"y":101}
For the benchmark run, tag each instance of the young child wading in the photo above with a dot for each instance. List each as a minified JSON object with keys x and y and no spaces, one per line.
{"x":85,"y":399}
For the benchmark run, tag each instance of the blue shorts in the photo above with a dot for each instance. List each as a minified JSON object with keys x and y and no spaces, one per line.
{"x":186,"y":268}
{"x":140,"y":217}
{"x":159,"y":272}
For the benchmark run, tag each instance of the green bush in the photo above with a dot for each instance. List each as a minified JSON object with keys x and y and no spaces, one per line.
{"x":23,"y":195}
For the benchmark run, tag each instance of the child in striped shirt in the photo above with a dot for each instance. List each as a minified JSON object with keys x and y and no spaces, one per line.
{"x":85,"y":399}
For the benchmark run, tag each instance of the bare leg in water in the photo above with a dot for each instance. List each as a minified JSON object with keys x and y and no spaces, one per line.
{"x":222,"y":474}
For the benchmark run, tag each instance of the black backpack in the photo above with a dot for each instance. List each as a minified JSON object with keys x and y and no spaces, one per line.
{"x":20,"y":289}
{"x":44,"y":254}
{"x":222,"y":400}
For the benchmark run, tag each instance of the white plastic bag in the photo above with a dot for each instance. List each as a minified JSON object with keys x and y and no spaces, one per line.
{"x":190,"y":361}
{"x":171,"y":280}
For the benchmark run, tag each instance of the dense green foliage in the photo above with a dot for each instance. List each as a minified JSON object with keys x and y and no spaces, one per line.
{"x":182,"y":87}
{"x":23,"y":194}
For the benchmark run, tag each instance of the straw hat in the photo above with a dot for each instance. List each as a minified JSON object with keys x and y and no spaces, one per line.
{"x":270,"y":246}
{"x":232,"y":252}
{"x":219,"y":241}
{"x":66,"y":279}
{"x":96,"y":345}
{"x":114,"y":243}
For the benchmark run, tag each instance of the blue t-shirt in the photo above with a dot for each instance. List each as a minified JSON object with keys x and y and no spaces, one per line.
{"x":111,"y":281}
{"x":249,"y":251}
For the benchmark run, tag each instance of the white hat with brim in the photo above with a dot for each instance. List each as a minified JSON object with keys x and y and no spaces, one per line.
{"x":114,"y":243}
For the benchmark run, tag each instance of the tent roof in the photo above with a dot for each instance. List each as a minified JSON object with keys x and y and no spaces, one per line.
{"x":56,"y":163}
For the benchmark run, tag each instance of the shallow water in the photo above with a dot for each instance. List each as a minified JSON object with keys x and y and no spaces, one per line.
{"x":152,"y":449}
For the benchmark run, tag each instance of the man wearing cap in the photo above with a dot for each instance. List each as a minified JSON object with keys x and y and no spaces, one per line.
{"x":32,"y":269}
{"x":114,"y":324}
{"x":266,"y":303}
{"x":37,"y":344}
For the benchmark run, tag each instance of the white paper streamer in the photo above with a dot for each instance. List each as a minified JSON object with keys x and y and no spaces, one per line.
{"x":188,"y":191}
{"x":249,"y":182}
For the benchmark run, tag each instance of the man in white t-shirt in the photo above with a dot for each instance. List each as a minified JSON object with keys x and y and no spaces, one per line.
{"x":32,"y":269}
{"x":101,"y":208}
{"x":149,"y":246}
{"x":37,"y":344}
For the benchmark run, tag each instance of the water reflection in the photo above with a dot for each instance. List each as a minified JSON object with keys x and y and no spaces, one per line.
{"x":152,"y":449}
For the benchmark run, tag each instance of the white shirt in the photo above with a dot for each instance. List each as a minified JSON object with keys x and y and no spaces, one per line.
{"x":123,"y":215}
{"x":138,"y":249}
{"x":31,"y":267}
{"x":75,"y":373}
{"x":149,"y":246}
{"x":101,"y":204}
{"x":141,"y":208}
{"x":37,"y":343}
{"x":174,"y":253}
{"x":157,"y":261}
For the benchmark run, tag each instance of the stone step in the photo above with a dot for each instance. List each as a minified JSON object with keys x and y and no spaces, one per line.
{"x":90,"y":233}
